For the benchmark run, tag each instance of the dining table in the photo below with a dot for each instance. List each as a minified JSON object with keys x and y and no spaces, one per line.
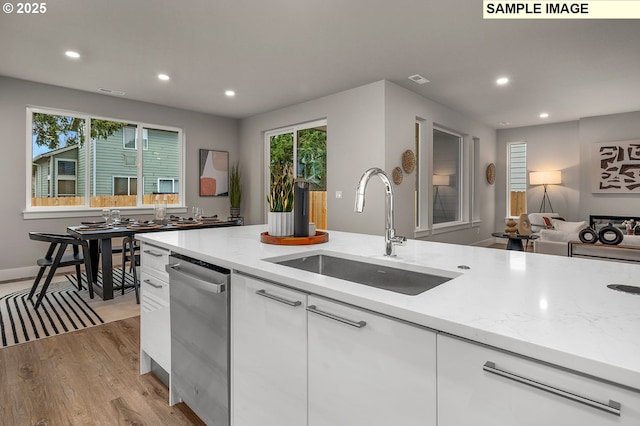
{"x":100,"y":236}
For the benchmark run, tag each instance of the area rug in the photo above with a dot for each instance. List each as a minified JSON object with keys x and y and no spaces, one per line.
{"x":63,"y":309}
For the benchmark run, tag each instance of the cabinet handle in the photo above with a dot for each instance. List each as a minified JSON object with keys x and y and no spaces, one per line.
{"x":264,"y":293}
{"x":314,"y":310}
{"x":148,"y":281}
{"x":153,"y":253}
{"x":612,"y":407}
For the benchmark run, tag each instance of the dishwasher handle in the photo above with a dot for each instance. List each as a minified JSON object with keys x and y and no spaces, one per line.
{"x":210,"y":287}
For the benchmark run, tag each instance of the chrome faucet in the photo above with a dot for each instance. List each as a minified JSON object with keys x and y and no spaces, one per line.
{"x":390,"y":237}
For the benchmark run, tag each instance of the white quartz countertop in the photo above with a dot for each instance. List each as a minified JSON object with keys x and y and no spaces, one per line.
{"x":552,"y":308}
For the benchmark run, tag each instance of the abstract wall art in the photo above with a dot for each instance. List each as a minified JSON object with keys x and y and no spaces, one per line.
{"x":617,"y":166}
{"x":214,"y":173}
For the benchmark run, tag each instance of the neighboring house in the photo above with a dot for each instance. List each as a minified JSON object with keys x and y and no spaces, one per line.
{"x":114,"y":161}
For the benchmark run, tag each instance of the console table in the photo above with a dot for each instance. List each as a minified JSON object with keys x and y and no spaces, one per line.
{"x":618,"y":253}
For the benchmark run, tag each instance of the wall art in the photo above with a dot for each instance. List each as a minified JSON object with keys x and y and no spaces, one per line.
{"x":214,"y":173}
{"x":617,"y":167}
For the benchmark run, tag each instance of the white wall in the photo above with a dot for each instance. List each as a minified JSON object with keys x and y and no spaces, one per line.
{"x":402,"y":107}
{"x":355,"y":142}
{"x":200,"y":130}
{"x":568,"y":147}
{"x":369,"y":126}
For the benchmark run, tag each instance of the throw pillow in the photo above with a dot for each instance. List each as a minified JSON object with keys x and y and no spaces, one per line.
{"x":561,"y":225}
{"x":557,"y":236}
{"x":547,"y":222}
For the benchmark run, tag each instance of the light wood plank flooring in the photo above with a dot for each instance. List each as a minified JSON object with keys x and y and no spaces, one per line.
{"x":87,"y":377}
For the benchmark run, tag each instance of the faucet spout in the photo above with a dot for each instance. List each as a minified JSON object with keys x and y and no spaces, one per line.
{"x":390,"y":237}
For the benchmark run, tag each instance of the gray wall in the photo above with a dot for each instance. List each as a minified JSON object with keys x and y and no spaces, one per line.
{"x":369,"y":126}
{"x":567,"y":147}
{"x":200,"y":130}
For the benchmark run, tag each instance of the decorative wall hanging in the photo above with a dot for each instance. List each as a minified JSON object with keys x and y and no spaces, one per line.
{"x":397,"y":175}
{"x":214,"y":173}
{"x":491,"y":173}
{"x":408,"y":161}
{"x":617,"y":167}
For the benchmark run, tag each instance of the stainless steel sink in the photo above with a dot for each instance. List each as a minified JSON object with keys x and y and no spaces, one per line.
{"x":384,"y":277}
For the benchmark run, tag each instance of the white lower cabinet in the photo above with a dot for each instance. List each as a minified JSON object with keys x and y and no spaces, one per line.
{"x":366,"y":369}
{"x":155,"y":323}
{"x":479,"y":386}
{"x":269,"y":354}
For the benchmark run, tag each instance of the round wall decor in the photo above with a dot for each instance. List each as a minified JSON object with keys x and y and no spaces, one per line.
{"x":491,"y":173}
{"x":408,"y":161}
{"x":397,"y":175}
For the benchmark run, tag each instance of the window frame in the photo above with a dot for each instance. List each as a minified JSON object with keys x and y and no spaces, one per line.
{"x":173,"y":184}
{"x":59,"y":177}
{"x":45,"y":212}
{"x":509,"y":178}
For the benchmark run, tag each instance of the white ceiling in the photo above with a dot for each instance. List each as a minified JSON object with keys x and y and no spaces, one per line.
{"x":280,"y":52}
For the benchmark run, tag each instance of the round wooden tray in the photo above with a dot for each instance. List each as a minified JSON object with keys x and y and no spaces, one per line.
{"x":320,"y":237}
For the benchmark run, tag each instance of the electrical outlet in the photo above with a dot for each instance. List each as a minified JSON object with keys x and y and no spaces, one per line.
{"x":339,"y":194}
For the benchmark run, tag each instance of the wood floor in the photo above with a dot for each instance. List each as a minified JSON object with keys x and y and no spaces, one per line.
{"x":87,"y":377}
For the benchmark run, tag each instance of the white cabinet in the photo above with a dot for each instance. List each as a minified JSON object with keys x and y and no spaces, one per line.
{"x":269,"y":354}
{"x":366,"y":369}
{"x":155,"y":324}
{"x":478,"y":385}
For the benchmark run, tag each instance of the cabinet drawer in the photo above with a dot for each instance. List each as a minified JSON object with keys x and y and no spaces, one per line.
{"x":478,"y":385}
{"x":154,"y":259}
{"x":155,"y":320}
{"x":153,"y":288}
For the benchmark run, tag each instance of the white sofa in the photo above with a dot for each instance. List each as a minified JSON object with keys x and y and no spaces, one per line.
{"x":556,"y":241}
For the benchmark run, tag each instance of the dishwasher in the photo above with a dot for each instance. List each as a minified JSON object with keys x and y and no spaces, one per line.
{"x":199,"y":300}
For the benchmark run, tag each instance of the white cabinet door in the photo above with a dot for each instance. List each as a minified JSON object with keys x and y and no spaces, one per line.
{"x":366,"y":369}
{"x":481,"y":386}
{"x":269,"y":354}
{"x":155,"y":320}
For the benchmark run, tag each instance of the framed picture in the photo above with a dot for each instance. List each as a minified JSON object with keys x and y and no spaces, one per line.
{"x":214,"y":173}
{"x":617,"y":167}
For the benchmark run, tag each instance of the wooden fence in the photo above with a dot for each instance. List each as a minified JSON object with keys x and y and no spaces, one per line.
{"x":518,"y":203}
{"x":104,"y":200}
{"x":319,"y":209}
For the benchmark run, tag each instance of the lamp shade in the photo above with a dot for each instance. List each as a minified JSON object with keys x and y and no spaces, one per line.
{"x":545,"y":178}
{"x":441,"y":180}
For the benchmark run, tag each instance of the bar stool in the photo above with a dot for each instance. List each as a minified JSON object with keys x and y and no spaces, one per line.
{"x":54,"y":259}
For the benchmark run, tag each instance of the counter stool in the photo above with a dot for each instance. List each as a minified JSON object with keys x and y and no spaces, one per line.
{"x":54,"y":259}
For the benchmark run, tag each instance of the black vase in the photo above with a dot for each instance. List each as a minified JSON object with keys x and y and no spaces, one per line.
{"x":301,"y":208}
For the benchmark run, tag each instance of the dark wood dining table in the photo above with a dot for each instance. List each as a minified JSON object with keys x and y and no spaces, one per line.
{"x":101,"y":248}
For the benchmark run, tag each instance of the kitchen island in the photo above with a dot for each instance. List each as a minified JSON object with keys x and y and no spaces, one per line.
{"x":551,"y":309}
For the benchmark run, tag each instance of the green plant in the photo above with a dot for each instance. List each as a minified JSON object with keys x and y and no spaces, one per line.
{"x":235,"y":188}
{"x":280,"y":198}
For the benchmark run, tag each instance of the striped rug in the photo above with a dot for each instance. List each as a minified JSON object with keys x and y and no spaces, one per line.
{"x":64,"y":308}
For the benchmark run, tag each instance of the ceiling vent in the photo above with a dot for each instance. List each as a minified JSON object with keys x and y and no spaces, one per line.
{"x":110,"y":92}
{"x":417,"y":78}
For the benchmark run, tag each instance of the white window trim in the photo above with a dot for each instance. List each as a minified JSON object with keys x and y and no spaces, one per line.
{"x":173,"y":182}
{"x":145,"y":141}
{"x":52,"y":212}
{"x":508,"y":179}
{"x":113,"y":182}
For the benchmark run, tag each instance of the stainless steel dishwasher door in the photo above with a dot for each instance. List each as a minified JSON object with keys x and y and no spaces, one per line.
{"x":199,"y":303}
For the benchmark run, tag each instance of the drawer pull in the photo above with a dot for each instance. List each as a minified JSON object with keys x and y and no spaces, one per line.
{"x":153,"y":253}
{"x":314,"y":310}
{"x":612,"y":407}
{"x":148,"y":281}
{"x":264,"y":293}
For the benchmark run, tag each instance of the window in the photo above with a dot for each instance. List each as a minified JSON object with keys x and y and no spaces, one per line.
{"x":167,"y":185}
{"x":447,"y":177}
{"x":125,"y":185}
{"x":516,"y":178}
{"x":96,"y":162}
{"x":130,"y":138}
{"x":445,"y":193}
{"x":304,"y":146}
{"x":65,"y":178}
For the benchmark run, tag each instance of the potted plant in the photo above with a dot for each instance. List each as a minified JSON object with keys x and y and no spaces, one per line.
{"x":280,"y":200}
{"x":235,"y":190}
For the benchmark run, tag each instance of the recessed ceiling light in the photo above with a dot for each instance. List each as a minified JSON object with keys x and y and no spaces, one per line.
{"x":72,"y":54}
{"x":163,"y":77}
{"x":502,"y":81}
{"x":504,"y":123}
{"x":544,"y":115}
{"x":229,"y":93}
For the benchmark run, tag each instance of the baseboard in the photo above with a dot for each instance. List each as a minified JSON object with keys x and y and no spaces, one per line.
{"x":18,"y":273}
